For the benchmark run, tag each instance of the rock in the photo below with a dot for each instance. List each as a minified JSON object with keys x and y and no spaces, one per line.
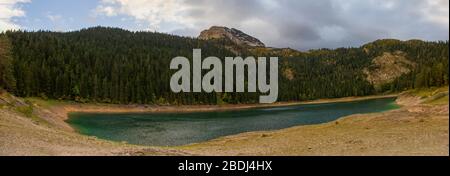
{"x":288,"y":73}
{"x":265,"y":135}
{"x":388,"y":67}
{"x":236,"y":36}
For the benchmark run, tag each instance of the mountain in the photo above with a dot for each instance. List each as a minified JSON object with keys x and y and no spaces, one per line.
{"x":388,"y":67}
{"x":236,"y":36}
{"x":241,"y":43}
{"x":112,"y":65}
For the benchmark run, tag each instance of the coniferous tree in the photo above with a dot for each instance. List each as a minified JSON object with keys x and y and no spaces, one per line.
{"x":112,"y":65}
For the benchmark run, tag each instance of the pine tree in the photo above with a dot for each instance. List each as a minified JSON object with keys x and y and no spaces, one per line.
{"x":7,"y":79}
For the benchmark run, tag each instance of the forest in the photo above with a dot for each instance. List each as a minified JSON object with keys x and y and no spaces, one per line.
{"x":111,"y":65}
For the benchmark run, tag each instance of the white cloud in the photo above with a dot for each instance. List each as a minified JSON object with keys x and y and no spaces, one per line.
{"x":154,"y":12}
{"x":8,"y":10}
{"x":437,"y":11}
{"x":107,"y":10}
{"x":54,"y":18}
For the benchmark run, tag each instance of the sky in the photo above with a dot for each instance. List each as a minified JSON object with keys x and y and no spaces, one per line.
{"x":298,"y":24}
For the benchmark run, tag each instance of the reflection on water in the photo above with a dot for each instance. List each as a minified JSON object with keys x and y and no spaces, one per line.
{"x":169,"y":129}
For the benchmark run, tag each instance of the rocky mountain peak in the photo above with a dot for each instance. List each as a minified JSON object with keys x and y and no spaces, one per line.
{"x":235,"y":35}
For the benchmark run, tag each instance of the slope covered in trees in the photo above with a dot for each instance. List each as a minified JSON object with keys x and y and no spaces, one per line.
{"x":7,"y":80}
{"x":116,"y":66}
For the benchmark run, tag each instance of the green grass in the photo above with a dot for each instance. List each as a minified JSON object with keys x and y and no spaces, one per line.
{"x":428,"y":92}
{"x":25,"y":110}
{"x":439,"y":101}
{"x":46,"y":103}
{"x":433,"y":96}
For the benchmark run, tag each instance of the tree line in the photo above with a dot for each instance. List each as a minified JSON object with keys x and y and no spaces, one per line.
{"x":112,"y":65}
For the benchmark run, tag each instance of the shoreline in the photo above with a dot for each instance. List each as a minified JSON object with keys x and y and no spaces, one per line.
{"x":413,"y":129}
{"x":410,"y":132}
{"x":65,"y":109}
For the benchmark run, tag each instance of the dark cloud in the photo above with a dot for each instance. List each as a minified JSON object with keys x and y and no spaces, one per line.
{"x":300,"y":32}
{"x":302,"y":24}
{"x":306,"y":24}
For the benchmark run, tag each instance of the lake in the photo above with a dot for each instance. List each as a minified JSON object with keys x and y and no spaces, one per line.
{"x":173,"y":129}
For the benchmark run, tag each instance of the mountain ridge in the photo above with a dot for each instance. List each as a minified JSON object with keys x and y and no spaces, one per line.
{"x":119,"y":66}
{"x":236,"y":36}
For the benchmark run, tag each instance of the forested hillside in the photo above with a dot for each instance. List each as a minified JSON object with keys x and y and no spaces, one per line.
{"x":340,"y":72}
{"x":117,"y":66}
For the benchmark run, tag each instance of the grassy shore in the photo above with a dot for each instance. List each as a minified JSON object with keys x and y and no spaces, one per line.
{"x":33,"y":126}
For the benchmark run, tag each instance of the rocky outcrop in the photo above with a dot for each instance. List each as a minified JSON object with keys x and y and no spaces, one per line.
{"x":236,"y":36}
{"x":388,"y":67}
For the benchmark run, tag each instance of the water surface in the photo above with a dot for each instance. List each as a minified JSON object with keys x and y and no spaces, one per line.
{"x":170,"y":129}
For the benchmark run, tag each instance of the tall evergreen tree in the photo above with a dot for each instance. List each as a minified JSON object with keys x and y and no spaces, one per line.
{"x":7,"y":79}
{"x":117,"y":66}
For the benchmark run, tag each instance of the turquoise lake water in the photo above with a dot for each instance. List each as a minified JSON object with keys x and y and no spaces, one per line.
{"x":172,"y":129}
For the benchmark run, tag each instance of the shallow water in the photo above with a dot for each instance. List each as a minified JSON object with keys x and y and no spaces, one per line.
{"x":171,"y":129}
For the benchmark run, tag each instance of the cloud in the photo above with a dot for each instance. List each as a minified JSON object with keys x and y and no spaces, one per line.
{"x":54,"y":18}
{"x":437,"y":11}
{"x":301,"y":24}
{"x":154,"y":12}
{"x":8,"y":10}
{"x":107,"y":10}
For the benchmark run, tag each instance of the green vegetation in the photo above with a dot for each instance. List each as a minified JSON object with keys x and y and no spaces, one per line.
{"x":428,"y":92}
{"x":439,"y":101}
{"x":28,"y":110}
{"x":25,"y":110}
{"x":431,"y":59}
{"x":112,"y":65}
{"x":45,"y":103}
{"x":7,"y":80}
{"x":433,"y":95}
